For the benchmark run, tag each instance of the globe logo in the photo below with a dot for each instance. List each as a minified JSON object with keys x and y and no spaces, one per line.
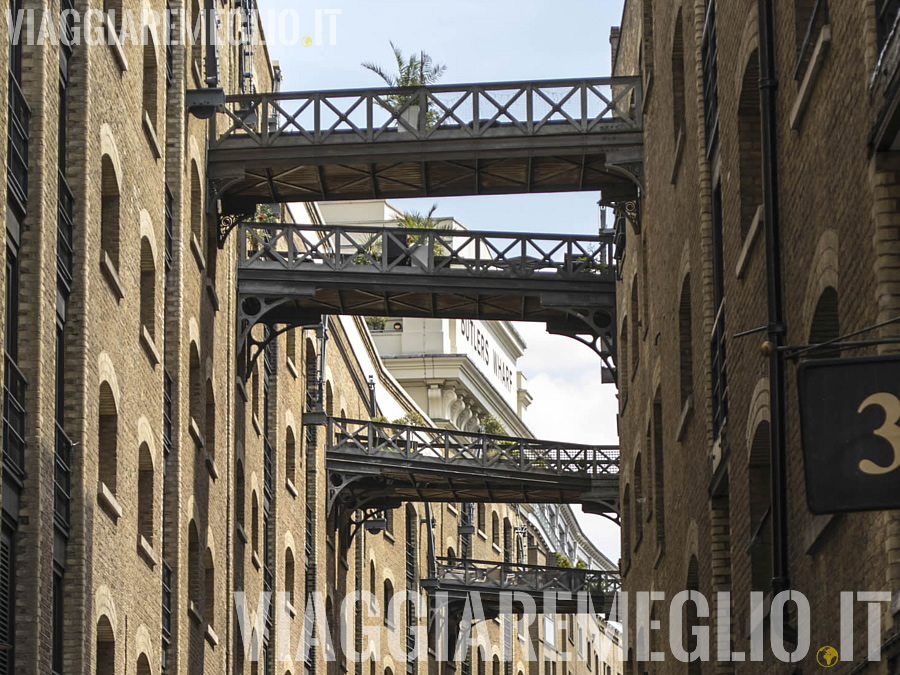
{"x":827,"y":657}
{"x":306,"y":41}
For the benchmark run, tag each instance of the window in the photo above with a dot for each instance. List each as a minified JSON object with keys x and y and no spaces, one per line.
{"x":626,"y":529}
{"x":239,"y":497}
{"x":482,"y":517}
{"x":685,"y":342}
{"x":148,"y":288}
{"x":290,"y":456}
{"x":151,"y":82}
{"x":7,"y":598}
{"x":648,"y":34}
{"x":289,"y":575}
{"x":143,"y":665}
{"x":635,"y":327}
{"x":195,"y":384}
{"x":886,"y":16}
{"x":810,"y":16}
{"x":389,"y":521}
{"x":109,"y":211}
{"x":495,"y":529}
{"x":760,"y":485}
{"x":638,"y":500}
{"x":388,"y":597}
{"x":826,"y":323}
{"x":194,"y":565}
{"x":718,"y":341}
{"x":659,"y":499}
{"x":106,"y":648}
{"x":290,"y":339}
{"x":210,"y":437}
{"x":196,"y":36}
{"x":750,"y":144}
{"x":622,"y":362}
{"x":145,"y":493}
{"x":254,"y":522}
{"x":108,"y":441}
{"x":209,"y":595}
{"x":678,"y":115}
{"x":196,"y":204}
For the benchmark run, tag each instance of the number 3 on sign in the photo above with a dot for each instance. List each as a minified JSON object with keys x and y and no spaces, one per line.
{"x":889,"y":431}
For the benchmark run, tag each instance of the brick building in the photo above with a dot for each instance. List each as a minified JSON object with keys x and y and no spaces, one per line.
{"x":753,"y":112}
{"x":147,"y":473}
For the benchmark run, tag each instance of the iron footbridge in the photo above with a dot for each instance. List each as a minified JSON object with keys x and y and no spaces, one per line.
{"x":374,"y":466}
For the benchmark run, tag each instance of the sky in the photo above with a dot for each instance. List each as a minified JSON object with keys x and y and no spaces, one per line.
{"x":481,"y":41}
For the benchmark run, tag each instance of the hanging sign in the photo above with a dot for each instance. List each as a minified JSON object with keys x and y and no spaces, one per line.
{"x":850,"y":417}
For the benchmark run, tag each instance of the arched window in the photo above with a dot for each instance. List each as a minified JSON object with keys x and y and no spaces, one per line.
{"x":254,"y":522}
{"x":638,"y":499}
{"x":622,"y":362}
{"x":648,"y":33}
{"x":196,"y":36}
{"x":678,"y":114}
{"x":482,"y":517}
{"x":109,"y":211}
{"x":151,"y":81}
{"x":507,"y":541}
{"x":329,"y":400}
{"x":210,"y":418}
{"x":195,"y":383}
{"x":194,"y":565}
{"x":826,"y":322}
{"x":685,"y":342}
{"x":760,"y":485}
{"x":373,"y":588}
{"x":148,"y":288}
{"x":108,"y":445}
{"x":209,"y":595}
{"x":389,"y":521}
{"x":106,"y":648}
{"x":495,"y":529}
{"x":145,"y":493}
{"x":627,"y":524}
{"x":290,"y":338}
{"x":143,"y":665}
{"x":495,"y":665}
{"x":659,"y":500}
{"x":239,"y":505}
{"x":196,"y":205}
{"x":290,"y":456}
{"x":289,"y":575}
{"x":388,"y":610}
{"x":750,"y":144}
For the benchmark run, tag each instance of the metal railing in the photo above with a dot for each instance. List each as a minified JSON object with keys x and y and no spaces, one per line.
{"x":367,"y":249}
{"x":461,"y":448}
{"x":710,"y":55}
{"x":14,"y":387}
{"x":484,"y":110}
{"x":63,"y":479}
{"x":508,"y":576}
{"x":65,"y":218}
{"x":719,"y":375}
{"x":887,"y":12}
{"x":817,"y":21}
{"x":17,"y":135}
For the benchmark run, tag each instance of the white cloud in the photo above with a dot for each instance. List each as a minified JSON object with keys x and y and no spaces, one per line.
{"x":571,"y":405}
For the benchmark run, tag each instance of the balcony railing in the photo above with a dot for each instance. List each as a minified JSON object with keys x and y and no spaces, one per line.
{"x":817,"y":21}
{"x":63,"y":479}
{"x":719,"y":375}
{"x":446,"y":112}
{"x":376,"y":439}
{"x":507,"y":576}
{"x":17,"y":134}
{"x":14,"y":387}
{"x":375,"y":248}
{"x":166,"y":600}
{"x":710,"y":78}
{"x":65,"y":218}
{"x":268,"y":470}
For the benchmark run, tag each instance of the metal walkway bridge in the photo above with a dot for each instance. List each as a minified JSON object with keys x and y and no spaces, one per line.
{"x":373,"y":466}
{"x":493,"y":138}
{"x":291,"y":274}
{"x":568,"y":589}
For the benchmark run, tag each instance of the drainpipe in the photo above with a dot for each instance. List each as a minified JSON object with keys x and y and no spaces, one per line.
{"x":768,"y":86}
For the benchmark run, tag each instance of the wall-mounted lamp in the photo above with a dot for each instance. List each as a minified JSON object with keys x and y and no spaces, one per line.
{"x":398,"y":325}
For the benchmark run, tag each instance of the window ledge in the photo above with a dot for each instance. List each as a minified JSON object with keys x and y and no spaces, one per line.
{"x":452,"y":509}
{"x":242,"y":534}
{"x":211,"y":636}
{"x":679,"y":151}
{"x":146,"y":551}
{"x":292,"y":369}
{"x":194,"y":431}
{"x":291,"y":610}
{"x":198,"y":76}
{"x":255,"y":560}
{"x":660,"y":554}
{"x":495,"y":548}
{"x":108,"y":501}
{"x":482,"y":534}
{"x":816,"y":530}
{"x":648,"y":87}
{"x":389,"y":537}
{"x":115,"y":45}
{"x":194,"y":613}
{"x":149,"y":347}
{"x":685,"y":417}
{"x":213,"y":296}
{"x":150,"y":131}
{"x":804,"y":93}
{"x":747,"y":248}
{"x":112,"y":276}
{"x":198,"y":252}
{"x":256,"y":427}
{"x":291,"y":488}
{"x":212,"y":468}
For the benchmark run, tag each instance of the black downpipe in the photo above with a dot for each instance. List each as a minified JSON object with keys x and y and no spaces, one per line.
{"x":768,"y":86}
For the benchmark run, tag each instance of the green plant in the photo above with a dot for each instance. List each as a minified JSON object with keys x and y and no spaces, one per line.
{"x":412,"y":418}
{"x":418,"y":70}
{"x":413,"y":220}
{"x":376,"y":323}
{"x":264,"y":214}
{"x":379,"y":419}
{"x":563,"y":561}
{"x":580,"y":565}
{"x":492,"y":425}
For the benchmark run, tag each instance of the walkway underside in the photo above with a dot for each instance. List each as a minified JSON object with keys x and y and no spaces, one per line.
{"x":373,"y":465}
{"x":551,"y":589}
{"x":293,"y":274}
{"x":501,"y":138}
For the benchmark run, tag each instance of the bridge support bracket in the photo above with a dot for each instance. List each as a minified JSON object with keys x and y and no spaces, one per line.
{"x":593,"y":327}
{"x":251,"y":311}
